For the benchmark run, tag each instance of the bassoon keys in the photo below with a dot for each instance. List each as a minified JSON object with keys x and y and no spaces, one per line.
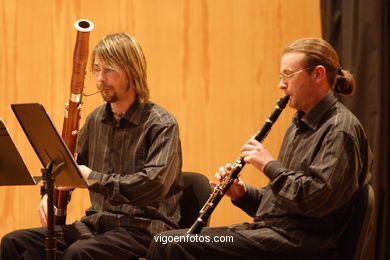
{"x":72,"y":109}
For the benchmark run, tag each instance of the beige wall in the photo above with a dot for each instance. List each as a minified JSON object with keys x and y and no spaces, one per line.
{"x":214,"y":64}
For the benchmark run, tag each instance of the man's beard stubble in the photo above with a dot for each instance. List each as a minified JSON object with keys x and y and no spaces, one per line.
{"x":106,"y":96}
{"x":110,"y":98}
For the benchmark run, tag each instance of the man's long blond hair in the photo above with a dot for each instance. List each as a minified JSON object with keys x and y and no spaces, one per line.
{"x":121,"y":51}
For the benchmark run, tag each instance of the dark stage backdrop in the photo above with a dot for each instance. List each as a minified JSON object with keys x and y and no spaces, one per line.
{"x":359,"y":31}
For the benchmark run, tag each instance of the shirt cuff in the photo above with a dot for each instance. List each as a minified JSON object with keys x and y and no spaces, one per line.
{"x":249,"y":199}
{"x":96,"y":186}
{"x":94,"y":175}
{"x":273,"y":169}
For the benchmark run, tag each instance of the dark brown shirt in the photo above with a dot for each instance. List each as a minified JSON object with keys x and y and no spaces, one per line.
{"x":137,"y":165}
{"x":323,"y":161}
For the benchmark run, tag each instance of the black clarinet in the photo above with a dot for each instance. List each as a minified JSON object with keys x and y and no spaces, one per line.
{"x":220,"y":190}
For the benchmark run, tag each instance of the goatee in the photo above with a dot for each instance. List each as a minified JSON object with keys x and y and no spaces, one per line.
{"x":109,"y":98}
{"x":106,"y":96}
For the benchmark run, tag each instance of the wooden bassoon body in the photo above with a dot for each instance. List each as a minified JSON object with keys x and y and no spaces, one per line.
{"x":72,"y":110}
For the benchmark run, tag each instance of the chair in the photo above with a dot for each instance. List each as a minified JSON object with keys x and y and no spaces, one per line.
{"x":195,"y":194}
{"x":196,"y":191}
{"x":356,"y":236}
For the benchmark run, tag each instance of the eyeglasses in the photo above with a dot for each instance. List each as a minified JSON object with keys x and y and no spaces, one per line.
{"x":286,"y":76}
{"x":104,"y":71}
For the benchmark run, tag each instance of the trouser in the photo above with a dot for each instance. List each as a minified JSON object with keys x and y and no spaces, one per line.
{"x":227,"y":244}
{"x":116,"y":243}
{"x":211,"y":243}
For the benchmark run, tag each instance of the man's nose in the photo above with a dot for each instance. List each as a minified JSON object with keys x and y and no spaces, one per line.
{"x":282,"y":84}
{"x":99,"y":76}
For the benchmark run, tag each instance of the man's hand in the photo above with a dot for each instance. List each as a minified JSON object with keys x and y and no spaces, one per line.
{"x":255,"y":153}
{"x":236,"y":190}
{"x":85,"y":171}
{"x":42,"y":207}
{"x":42,"y":210}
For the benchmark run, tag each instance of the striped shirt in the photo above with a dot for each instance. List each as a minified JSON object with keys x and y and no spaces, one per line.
{"x":324,"y":160}
{"x":137,"y":164}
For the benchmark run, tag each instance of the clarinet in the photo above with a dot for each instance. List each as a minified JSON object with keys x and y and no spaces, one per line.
{"x":72,"y":110}
{"x":220,"y":190}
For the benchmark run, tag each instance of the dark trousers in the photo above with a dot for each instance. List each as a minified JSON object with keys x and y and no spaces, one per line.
{"x":203,"y":246}
{"x":117,"y":243}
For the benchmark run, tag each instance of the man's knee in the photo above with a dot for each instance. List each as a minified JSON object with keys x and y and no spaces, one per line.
{"x":162,"y":246}
{"x":10,"y":239}
{"x":6,"y":241}
{"x":11,"y":244}
{"x":76,"y":251}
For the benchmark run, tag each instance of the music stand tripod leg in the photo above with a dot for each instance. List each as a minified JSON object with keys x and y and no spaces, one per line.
{"x":51,"y":237}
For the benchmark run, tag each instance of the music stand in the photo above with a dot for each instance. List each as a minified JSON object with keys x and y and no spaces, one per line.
{"x":60,"y":167}
{"x":13,"y":170}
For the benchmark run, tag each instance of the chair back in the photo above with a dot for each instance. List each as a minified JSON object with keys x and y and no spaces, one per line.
{"x":195,"y":194}
{"x":356,"y":236}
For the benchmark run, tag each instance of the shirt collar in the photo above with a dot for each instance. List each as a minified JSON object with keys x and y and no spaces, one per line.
{"x":314,"y":117}
{"x":133,"y":114}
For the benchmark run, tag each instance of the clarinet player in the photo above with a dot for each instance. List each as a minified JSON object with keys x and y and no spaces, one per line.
{"x":324,"y":161}
{"x":131,"y":147}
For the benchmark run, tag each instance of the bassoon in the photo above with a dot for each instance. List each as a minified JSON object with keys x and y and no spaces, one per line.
{"x":72,"y":110}
{"x":220,"y":190}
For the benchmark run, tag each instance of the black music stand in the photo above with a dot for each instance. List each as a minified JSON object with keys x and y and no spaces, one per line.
{"x":60,"y":167}
{"x":13,"y":170}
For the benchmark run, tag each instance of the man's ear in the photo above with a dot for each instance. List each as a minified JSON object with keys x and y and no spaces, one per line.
{"x":320,"y":73}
